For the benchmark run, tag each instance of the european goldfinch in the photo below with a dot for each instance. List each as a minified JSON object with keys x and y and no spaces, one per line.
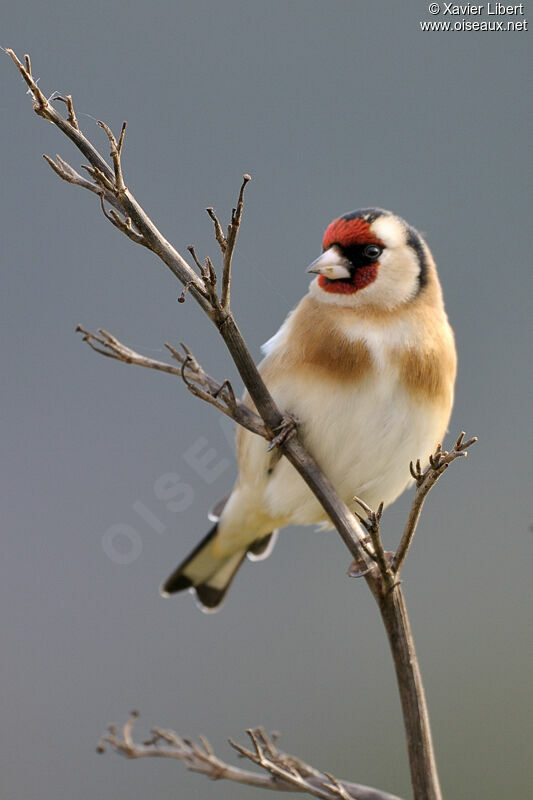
{"x":366,"y":365}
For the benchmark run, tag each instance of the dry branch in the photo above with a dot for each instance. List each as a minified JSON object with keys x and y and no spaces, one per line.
{"x":199,"y":383}
{"x":439,"y":462}
{"x":105,"y":179}
{"x":371,"y":524}
{"x":285,"y":773}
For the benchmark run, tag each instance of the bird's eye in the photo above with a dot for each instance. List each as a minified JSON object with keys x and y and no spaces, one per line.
{"x":372,"y":251}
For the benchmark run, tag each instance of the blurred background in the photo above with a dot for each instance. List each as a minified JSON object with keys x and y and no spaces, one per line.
{"x":331,"y":107}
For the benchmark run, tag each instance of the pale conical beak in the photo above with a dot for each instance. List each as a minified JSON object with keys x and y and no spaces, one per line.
{"x":331,"y":264}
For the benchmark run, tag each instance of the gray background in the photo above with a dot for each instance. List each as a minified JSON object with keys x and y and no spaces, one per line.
{"x":331,"y":106}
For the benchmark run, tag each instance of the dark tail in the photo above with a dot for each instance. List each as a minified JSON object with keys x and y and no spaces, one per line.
{"x":206,"y":573}
{"x":209,"y":575}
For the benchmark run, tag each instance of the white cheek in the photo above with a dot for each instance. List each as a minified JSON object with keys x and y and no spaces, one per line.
{"x":396,"y":282}
{"x":400,"y":273}
{"x":390,"y":231}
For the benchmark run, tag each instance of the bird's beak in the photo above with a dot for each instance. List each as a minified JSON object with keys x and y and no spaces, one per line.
{"x":331,"y":264}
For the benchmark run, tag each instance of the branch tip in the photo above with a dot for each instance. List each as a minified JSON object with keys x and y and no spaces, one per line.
{"x":206,"y":744}
{"x":71,"y":113}
{"x":118,"y":187}
{"x":439,"y":462}
{"x":121,"y":137}
{"x":181,"y":298}
{"x":192,"y":251}
{"x":219,"y":233}
{"x":284,"y":772}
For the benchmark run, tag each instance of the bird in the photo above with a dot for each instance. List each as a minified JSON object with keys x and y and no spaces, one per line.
{"x":365,"y":364}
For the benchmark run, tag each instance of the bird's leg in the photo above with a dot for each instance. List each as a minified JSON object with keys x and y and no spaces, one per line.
{"x":284,"y":431}
{"x":359,"y":567}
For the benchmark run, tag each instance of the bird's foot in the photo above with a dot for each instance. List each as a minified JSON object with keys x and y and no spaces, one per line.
{"x":359,"y":567}
{"x":285,"y":431}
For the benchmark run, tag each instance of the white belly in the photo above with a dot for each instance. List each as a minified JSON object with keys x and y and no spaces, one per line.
{"x":363,"y":437}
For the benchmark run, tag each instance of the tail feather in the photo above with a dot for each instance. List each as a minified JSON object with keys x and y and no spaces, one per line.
{"x":210,"y":576}
{"x":211,"y":593}
{"x":218,"y":508}
{"x":180,"y":579}
{"x":262,"y":548}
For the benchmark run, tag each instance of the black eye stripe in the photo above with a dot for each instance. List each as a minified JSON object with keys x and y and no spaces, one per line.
{"x":358,"y":254}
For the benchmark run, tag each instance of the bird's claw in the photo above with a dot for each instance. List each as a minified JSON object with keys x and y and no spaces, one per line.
{"x":359,"y":568}
{"x":285,"y":430}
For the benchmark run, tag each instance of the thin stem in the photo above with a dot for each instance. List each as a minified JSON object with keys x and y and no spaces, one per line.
{"x":154,"y":238}
{"x":231,"y":241}
{"x":424,"y":775}
{"x":220,"y":395}
{"x":439,"y":462}
{"x":115,"y":153}
{"x":371,"y":525}
{"x":389,"y":596}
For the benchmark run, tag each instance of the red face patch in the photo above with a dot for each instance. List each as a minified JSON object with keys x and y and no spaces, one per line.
{"x":347,"y":232}
{"x":362,"y":277}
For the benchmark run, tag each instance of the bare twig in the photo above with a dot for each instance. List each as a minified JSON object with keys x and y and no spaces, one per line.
{"x":291,"y":447}
{"x":183,"y":295}
{"x":210,"y":280}
{"x":286,"y":773}
{"x":337,"y":788}
{"x":104,"y":176}
{"x":116,"y":150}
{"x":233,"y":231}
{"x":439,"y":462}
{"x":124,"y":225}
{"x":71,"y":114}
{"x":200,"y":266}
{"x":219,"y":233}
{"x":371,"y":524}
{"x":220,"y":395}
{"x":227,"y":244}
{"x":285,"y":768}
{"x":69,"y":174}
{"x":39,"y":100}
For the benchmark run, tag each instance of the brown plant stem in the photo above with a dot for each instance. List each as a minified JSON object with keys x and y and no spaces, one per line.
{"x":424,"y":775}
{"x":284,"y":772}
